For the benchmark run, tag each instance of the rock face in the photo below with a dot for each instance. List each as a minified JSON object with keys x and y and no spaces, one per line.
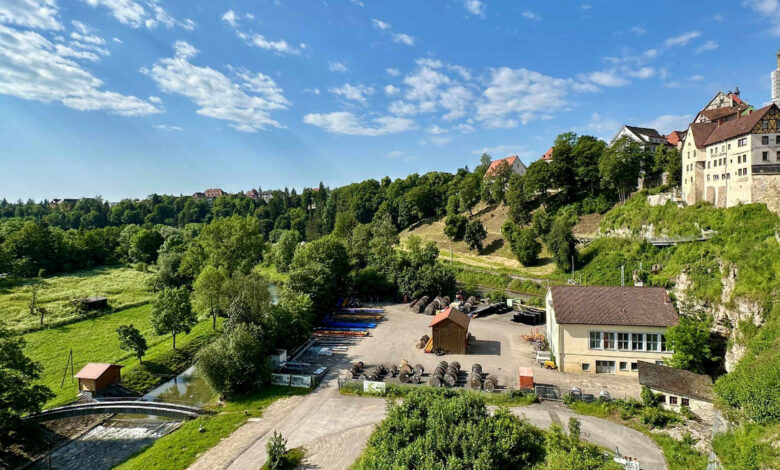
{"x":727,"y":314}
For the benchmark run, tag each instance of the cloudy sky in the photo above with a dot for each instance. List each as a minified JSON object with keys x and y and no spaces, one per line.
{"x":124,"y":98}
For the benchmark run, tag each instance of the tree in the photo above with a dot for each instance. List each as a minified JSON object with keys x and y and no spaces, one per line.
{"x":236,"y":362}
{"x":131,"y":339}
{"x":499,"y":180}
{"x":519,"y":205}
{"x":210,"y":291}
{"x":320,"y":269}
{"x":587,"y":152}
{"x":144,"y":246}
{"x":33,"y":306}
{"x":469,"y":191}
{"x":19,"y":396}
{"x":563,"y":165}
{"x":276,"y":448}
{"x":691,"y":342}
{"x":621,"y":166}
{"x":235,"y":243}
{"x":475,"y":235}
{"x":541,"y":222}
{"x":525,"y":246}
{"x":674,"y":166}
{"x":537,"y":181}
{"x":172,"y":312}
{"x":455,"y":226}
{"x":284,"y":249}
{"x":560,"y":242}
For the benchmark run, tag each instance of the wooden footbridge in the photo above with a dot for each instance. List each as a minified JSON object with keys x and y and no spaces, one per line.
{"x":138,"y":407}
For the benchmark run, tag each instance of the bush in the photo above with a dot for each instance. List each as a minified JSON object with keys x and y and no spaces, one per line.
{"x":525,"y":247}
{"x":657,"y":417}
{"x":276,"y":448}
{"x":475,"y":235}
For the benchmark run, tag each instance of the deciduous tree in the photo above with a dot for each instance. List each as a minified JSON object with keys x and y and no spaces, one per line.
{"x":172,"y":312}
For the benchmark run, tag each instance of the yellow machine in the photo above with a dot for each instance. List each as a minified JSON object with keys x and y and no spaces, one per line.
{"x":549,"y":365}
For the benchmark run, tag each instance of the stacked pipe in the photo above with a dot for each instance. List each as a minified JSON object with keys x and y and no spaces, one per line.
{"x":469,"y":304}
{"x":433,"y":306}
{"x":354,"y":371}
{"x":375,"y":372}
{"x":392,"y":370}
{"x":420,"y":305}
{"x":446,"y":301}
{"x":404,"y":371}
{"x":475,"y":378}
{"x":437,"y":379}
{"x":423,"y":341}
{"x":451,"y":376}
{"x":491,"y":382}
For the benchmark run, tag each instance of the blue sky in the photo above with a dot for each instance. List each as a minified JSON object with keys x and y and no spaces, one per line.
{"x":123,"y":98}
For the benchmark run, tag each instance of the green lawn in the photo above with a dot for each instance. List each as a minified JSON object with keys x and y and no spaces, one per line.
{"x":179,"y":449}
{"x":95,"y":340}
{"x":124,"y":287}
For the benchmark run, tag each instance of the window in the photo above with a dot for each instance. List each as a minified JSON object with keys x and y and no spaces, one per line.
{"x":586,"y":367}
{"x":685,"y":402}
{"x":609,"y":340}
{"x":777,"y":139}
{"x":605,"y":367}
{"x":708,"y":177}
{"x":662,"y":398}
{"x":742,"y":142}
{"x":634,"y":366}
{"x":672,"y":400}
{"x":637,"y":342}
{"x":723,"y":148}
{"x":623,"y":341}
{"x":765,"y":124}
{"x":778,"y":155}
{"x":729,"y":146}
{"x":708,"y":165}
{"x":652,"y":342}
{"x":595,"y":340}
{"x":623,"y":365}
{"x":765,"y":140}
{"x":764,"y":156}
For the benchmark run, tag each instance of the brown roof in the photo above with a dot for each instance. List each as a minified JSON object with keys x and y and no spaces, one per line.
{"x":675,"y":381}
{"x":701,"y":130}
{"x":93,"y":370}
{"x":720,"y":113}
{"x":613,"y":305}
{"x":645,"y":131}
{"x":454,"y":315}
{"x":495,"y":163}
{"x":743,"y":125}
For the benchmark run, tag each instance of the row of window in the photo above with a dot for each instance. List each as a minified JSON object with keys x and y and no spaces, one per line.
{"x":627,"y":341}
{"x":673,"y":400}
{"x":608,"y":367}
{"x":765,"y":140}
{"x":765,"y":156}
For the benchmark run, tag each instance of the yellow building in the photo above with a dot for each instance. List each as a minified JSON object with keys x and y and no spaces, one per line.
{"x":679,"y":388}
{"x":608,"y":329}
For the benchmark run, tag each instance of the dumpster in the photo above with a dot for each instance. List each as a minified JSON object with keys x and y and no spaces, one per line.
{"x":525,"y":378}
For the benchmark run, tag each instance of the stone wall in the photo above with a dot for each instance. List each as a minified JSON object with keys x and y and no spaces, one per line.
{"x":766,"y":189}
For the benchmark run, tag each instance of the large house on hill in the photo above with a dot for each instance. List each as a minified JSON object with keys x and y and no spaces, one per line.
{"x":515,"y":165}
{"x":650,"y":138}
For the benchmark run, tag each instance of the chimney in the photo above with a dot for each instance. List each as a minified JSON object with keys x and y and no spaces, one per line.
{"x":778,"y":58}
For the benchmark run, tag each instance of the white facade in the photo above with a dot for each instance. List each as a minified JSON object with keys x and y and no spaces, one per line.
{"x":776,"y":86}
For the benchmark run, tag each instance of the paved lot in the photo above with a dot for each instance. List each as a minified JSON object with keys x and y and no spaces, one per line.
{"x":499,"y":348}
{"x":335,"y":428}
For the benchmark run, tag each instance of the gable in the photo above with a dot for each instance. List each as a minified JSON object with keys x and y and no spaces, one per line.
{"x":770,"y":123}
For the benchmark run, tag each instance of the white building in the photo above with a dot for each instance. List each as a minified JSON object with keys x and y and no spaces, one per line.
{"x":678,"y":388}
{"x":776,"y":82}
{"x":515,"y":165}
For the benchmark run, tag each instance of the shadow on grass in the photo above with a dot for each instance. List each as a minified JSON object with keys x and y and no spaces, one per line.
{"x":492,"y":247}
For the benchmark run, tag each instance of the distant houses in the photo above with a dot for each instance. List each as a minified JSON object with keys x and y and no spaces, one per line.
{"x":213,"y":193}
{"x":514,"y":163}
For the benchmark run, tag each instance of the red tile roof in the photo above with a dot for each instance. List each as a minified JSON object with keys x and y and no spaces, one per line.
{"x":495,"y":163}
{"x":675,"y":137}
{"x":613,"y":305}
{"x":548,"y":155}
{"x":94,"y":370}
{"x":743,"y":125}
{"x":452,"y":314}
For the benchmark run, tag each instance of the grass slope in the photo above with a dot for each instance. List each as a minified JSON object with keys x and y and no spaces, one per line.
{"x":178,"y":450}
{"x":95,"y":340}
{"x":124,"y":287}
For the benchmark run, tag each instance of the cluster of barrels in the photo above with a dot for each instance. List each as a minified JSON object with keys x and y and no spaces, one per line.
{"x":469,"y":304}
{"x":355,"y":371}
{"x":418,"y":305}
{"x":437,"y":304}
{"x":423,"y":341}
{"x":445,"y":374}
{"x":409,"y":374}
{"x":375,"y":373}
{"x":476,"y":381}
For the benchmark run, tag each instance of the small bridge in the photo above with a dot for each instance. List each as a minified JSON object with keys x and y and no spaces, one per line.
{"x":168,"y":410}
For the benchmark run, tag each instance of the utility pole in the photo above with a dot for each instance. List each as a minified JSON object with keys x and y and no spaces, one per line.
{"x":622,"y":274}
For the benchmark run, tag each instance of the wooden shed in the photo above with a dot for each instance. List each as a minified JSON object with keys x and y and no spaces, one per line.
{"x":95,"y":377}
{"x":91,"y":303}
{"x":450,"y":330}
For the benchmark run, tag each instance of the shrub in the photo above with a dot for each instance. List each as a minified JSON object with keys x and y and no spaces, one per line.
{"x":525,"y":247}
{"x":656,"y":417}
{"x":475,"y":235}
{"x":276,"y":448}
{"x":455,"y":226}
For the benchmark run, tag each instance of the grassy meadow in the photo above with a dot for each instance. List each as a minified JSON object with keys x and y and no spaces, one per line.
{"x":125,"y":287}
{"x":95,"y":340}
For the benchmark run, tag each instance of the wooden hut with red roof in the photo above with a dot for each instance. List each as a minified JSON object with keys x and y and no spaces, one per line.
{"x":95,"y":376}
{"x":450,"y":330}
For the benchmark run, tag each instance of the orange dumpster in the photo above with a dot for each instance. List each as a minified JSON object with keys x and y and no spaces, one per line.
{"x":525,"y":378}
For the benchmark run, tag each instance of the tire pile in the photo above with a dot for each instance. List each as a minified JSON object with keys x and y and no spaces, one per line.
{"x":445,"y":374}
{"x":477,"y":380}
{"x":355,"y":371}
{"x":409,"y":374}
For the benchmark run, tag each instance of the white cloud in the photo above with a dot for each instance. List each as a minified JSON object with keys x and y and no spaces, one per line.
{"x":475,"y":7}
{"x":400,"y":155}
{"x":402,"y":108}
{"x":146,"y":14}
{"x":167,"y":128}
{"x":600,"y":126}
{"x":668,"y":123}
{"x":638,"y":30}
{"x":503,"y":149}
{"x":585,"y":7}
{"x":682,"y":39}
{"x":351,"y":92}
{"x":768,"y":10}
{"x":155,"y":99}
{"x":393,"y":72}
{"x":279,"y":46}
{"x":358,"y":3}
{"x":439,"y":139}
{"x":188,"y":24}
{"x":337,"y":67}
{"x":608,"y":78}
{"x":347,"y":123}
{"x":40,"y":14}
{"x":314,"y":91}
{"x":397,"y":37}
{"x":117,"y":40}
{"x":520,"y":94}
{"x":436,"y":130}
{"x":643,"y":73}
{"x":33,"y":68}
{"x":380,"y":24}
{"x":391,"y":90}
{"x":245,"y":101}
{"x":697,"y":78}
{"x":230,"y":18}
{"x":707,"y":46}
{"x":528,"y":14}
{"x":465,"y":128}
